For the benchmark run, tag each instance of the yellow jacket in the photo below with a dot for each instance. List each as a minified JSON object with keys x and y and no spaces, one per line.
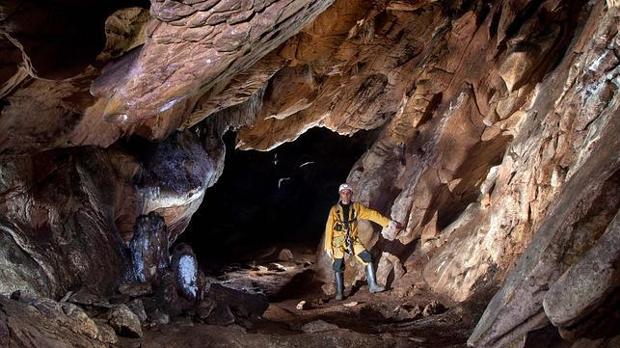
{"x":357,"y":211}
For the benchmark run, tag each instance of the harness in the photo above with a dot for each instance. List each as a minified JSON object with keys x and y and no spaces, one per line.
{"x":347,"y":226}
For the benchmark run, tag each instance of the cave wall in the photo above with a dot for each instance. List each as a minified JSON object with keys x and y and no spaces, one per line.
{"x":43,"y":111}
{"x":68,"y":216}
{"x":497,"y":143}
{"x":488,"y":132}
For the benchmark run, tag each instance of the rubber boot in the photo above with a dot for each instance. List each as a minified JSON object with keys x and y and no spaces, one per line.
{"x":373,"y":287}
{"x":339,"y":286}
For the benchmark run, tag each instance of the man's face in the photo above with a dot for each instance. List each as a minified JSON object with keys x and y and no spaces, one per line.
{"x":345,"y":196}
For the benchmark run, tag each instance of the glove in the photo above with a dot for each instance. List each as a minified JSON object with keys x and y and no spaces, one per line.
{"x":397,"y":225}
{"x":391,"y":231}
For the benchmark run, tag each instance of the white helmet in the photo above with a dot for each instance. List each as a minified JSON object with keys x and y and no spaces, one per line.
{"x":344,"y":187}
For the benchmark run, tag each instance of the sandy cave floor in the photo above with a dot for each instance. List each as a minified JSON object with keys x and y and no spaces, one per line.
{"x":388,"y":319}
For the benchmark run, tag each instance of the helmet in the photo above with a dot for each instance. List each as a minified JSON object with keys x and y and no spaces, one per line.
{"x":344,"y":187}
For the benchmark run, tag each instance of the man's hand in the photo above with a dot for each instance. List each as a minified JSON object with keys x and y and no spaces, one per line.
{"x":330,"y":252}
{"x":391,"y":230}
{"x":397,"y":225}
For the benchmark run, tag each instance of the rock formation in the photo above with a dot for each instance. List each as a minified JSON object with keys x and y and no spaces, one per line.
{"x":497,"y":143}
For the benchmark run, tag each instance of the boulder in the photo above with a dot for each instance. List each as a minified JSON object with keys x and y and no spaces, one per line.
{"x":318,"y":326}
{"x":137,"y":307}
{"x":285,"y":255}
{"x":47,"y":323}
{"x":125,"y":322}
{"x":136,"y":289}
{"x":242,"y":304}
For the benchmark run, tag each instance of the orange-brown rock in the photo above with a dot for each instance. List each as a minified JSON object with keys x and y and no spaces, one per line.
{"x":198,"y":44}
{"x":202,"y":46}
{"x":497,"y":142}
{"x":77,"y":208}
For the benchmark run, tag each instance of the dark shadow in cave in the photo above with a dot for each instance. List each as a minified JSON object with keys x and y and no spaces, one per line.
{"x":273,"y":199}
{"x":61,"y":37}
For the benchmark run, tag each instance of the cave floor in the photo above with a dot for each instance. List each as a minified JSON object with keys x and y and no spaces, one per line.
{"x":386,"y":319}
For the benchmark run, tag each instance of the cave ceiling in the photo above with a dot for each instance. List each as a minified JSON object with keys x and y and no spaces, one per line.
{"x":496,"y":146}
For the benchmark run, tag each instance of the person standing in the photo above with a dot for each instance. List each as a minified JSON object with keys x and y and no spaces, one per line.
{"x":341,"y":237}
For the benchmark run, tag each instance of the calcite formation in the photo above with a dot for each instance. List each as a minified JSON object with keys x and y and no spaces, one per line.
{"x":149,"y":248}
{"x":497,"y":142}
{"x":41,"y":323}
{"x":69,"y":216}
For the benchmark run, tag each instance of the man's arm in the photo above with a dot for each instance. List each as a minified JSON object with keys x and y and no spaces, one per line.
{"x":366,"y":213}
{"x":329,"y":233}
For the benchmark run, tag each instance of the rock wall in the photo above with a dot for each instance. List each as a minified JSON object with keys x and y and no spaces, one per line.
{"x":489,"y":131}
{"x":202,"y":45}
{"x":68,"y":216}
{"x":497,"y":147}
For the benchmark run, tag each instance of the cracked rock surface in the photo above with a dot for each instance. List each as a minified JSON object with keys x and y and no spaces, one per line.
{"x":496,"y":147}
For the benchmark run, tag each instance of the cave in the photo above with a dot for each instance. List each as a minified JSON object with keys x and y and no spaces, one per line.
{"x":274,"y":200}
{"x":170,"y":173}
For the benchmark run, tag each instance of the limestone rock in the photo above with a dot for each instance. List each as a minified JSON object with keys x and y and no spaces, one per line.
{"x":407,"y":312}
{"x":221,"y":315}
{"x":113,"y":109}
{"x":84,"y":297}
{"x":318,"y":326}
{"x":137,"y":307}
{"x":159,"y":318}
{"x":590,"y":281}
{"x":125,"y":322}
{"x":73,"y":208}
{"x":149,"y":248}
{"x":185,"y":267}
{"x":242,"y":304}
{"x":178,"y":30}
{"x":204,"y":308}
{"x":105,"y":332}
{"x":389,"y":264}
{"x":173,"y":179}
{"x":582,"y":207}
{"x":514,"y":69}
{"x":496,"y":146}
{"x":125,"y":30}
{"x":432,"y":308}
{"x":103,"y":191}
{"x":136,"y":289}
{"x":86,"y":325}
{"x":285,"y":255}
{"x":45,"y":324}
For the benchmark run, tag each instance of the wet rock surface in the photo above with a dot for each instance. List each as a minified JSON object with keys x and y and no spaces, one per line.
{"x":48,"y":323}
{"x":135,"y":289}
{"x":185,"y":267}
{"x":209,"y":44}
{"x":496,"y":147}
{"x":125,"y":322}
{"x":78,"y":209}
{"x":149,"y":248}
{"x":61,"y":212}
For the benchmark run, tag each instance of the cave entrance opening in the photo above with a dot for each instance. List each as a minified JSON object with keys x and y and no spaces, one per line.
{"x":266,"y":201}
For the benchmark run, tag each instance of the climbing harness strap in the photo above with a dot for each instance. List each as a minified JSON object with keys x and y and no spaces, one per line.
{"x":348,"y":241}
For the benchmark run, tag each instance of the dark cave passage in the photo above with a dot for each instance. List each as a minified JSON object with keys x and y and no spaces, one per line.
{"x":273,"y":199}
{"x":128,"y":218}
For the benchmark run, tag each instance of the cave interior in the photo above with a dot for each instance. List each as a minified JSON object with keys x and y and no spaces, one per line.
{"x":167,"y":168}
